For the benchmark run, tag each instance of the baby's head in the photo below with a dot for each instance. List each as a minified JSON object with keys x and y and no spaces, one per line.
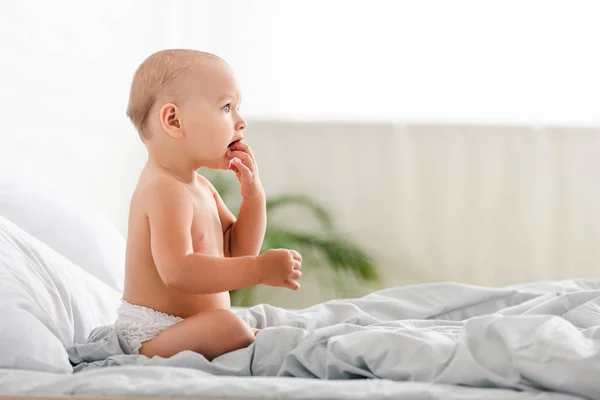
{"x":186,"y":102}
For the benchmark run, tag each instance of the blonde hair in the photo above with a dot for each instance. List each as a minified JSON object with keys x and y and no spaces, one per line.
{"x":154,"y":78}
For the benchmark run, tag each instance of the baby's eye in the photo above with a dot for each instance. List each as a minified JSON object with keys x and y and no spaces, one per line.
{"x":227,"y":108}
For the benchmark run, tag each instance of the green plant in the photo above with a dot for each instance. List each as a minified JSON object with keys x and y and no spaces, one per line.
{"x":325,"y":249}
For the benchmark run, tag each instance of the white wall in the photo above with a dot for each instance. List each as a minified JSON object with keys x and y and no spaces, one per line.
{"x":64,"y":78}
{"x":530,"y":62}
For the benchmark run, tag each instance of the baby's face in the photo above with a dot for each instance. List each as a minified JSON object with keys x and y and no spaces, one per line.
{"x":210,"y":114}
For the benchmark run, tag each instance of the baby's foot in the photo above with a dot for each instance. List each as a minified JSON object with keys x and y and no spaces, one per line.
{"x":255,"y":331}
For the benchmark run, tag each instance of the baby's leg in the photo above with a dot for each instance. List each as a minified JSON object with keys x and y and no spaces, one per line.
{"x":211,"y":333}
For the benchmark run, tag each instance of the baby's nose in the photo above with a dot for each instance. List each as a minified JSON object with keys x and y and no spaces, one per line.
{"x":241,"y":125}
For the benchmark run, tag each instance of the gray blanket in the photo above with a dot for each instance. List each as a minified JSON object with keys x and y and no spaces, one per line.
{"x":540,"y":336}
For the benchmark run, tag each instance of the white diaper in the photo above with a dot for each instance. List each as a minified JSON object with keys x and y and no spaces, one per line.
{"x":138,"y":324}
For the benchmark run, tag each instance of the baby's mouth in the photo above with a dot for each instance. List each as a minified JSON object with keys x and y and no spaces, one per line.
{"x":234,"y":142}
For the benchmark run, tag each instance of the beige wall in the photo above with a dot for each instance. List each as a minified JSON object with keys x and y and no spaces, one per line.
{"x":477,"y":204}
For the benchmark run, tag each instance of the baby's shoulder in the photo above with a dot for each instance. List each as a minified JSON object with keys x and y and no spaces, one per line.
{"x":206,"y":185}
{"x":159,"y":187}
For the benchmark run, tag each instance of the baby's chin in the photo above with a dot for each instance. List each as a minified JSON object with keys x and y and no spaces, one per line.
{"x":223,"y":163}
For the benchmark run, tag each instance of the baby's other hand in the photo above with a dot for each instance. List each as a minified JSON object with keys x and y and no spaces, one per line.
{"x":280,"y":267}
{"x":243,"y":163}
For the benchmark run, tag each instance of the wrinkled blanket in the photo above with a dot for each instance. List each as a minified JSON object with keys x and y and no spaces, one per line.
{"x":543,"y":335}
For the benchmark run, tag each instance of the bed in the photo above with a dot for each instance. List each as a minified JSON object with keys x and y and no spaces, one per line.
{"x":60,"y":285}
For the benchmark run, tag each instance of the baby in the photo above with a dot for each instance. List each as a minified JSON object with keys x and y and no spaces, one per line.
{"x":185,"y":249}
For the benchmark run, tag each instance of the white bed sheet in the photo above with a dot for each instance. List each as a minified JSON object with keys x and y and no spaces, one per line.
{"x":173,"y":381}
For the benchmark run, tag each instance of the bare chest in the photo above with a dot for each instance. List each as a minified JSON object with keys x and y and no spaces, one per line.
{"x":206,"y":230}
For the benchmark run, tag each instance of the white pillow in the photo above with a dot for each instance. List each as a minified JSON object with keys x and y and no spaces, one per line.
{"x":46,"y":303}
{"x":55,"y":217}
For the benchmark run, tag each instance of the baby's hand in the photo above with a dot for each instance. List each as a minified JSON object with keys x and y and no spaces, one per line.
{"x":280,"y":267}
{"x":243,"y":163}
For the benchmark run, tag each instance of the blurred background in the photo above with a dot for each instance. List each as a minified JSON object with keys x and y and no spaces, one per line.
{"x":398,"y":142}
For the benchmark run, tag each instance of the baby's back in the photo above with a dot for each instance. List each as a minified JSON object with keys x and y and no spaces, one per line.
{"x":143,"y":283}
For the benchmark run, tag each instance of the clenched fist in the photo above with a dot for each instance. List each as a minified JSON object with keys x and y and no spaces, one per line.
{"x":280,"y":267}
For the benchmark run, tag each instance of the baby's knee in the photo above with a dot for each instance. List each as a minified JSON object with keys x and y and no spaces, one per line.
{"x":246,"y":336}
{"x":238,"y":330}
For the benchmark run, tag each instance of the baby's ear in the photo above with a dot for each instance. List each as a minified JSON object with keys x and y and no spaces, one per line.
{"x":170,"y":120}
